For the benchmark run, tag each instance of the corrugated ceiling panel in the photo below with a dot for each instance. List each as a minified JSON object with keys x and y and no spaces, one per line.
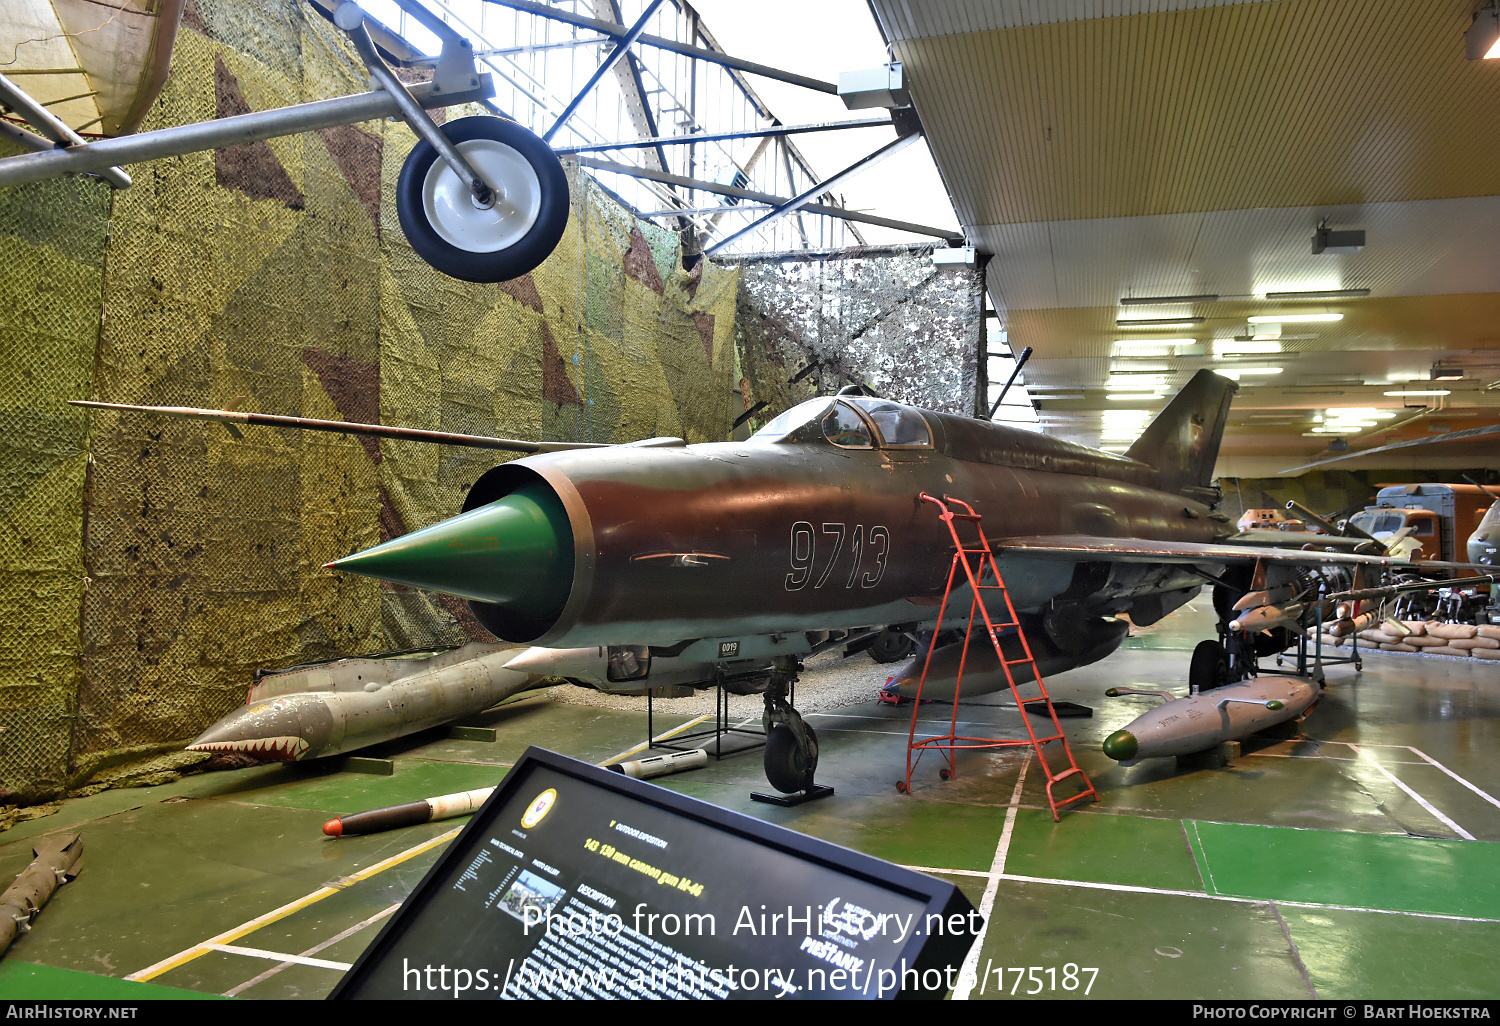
{"x":1297,"y":102}
{"x":914,"y":19}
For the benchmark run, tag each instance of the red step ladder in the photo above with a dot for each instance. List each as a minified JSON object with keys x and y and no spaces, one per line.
{"x":967,"y":557}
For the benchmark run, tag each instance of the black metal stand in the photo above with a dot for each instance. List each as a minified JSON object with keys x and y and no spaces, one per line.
{"x":721,"y":727}
{"x":787,"y":801}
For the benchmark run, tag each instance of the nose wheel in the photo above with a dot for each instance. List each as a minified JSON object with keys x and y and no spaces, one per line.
{"x":791,"y":756}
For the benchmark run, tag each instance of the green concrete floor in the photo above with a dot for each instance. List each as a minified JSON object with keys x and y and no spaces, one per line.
{"x":1358,"y":860}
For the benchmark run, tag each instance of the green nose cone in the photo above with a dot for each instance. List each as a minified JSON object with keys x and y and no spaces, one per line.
{"x":516,"y":552}
{"x":1121,"y":746}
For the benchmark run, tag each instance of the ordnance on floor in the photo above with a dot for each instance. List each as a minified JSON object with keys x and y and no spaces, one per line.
{"x":55,"y":861}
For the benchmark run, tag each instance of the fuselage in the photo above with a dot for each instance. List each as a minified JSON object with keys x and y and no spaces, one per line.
{"x":817,"y":523}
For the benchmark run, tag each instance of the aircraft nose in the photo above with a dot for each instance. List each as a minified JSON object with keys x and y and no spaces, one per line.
{"x":275,"y":730}
{"x":1121,"y":746}
{"x":516,"y":552}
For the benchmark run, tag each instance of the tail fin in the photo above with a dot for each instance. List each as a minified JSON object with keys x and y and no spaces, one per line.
{"x":1182,"y":443}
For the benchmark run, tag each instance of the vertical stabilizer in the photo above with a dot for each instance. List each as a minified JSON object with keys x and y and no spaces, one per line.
{"x":1183,"y":441}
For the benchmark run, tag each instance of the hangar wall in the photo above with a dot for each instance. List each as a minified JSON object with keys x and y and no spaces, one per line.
{"x":150,"y":566}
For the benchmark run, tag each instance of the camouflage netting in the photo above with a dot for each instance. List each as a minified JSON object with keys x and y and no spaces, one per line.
{"x":52,"y":241}
{"x":888,"y":319}
{"x":154,"y":564}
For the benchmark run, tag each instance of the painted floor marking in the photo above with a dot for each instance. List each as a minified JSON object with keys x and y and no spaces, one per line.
{"x":228,"y":936}
{"x":263,"y":977}
{"x":968,"y":975}
{"x":1360,"y":755}
{"x":1138,"y":889}
{"x":1427,"y":758}
{"x":1200,"y":856}
{"x":222,"y":941}
{"x":281,"y":956}
{"x":1413,"y":795}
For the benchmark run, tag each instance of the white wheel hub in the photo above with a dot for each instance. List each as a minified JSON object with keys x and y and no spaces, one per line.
{"x":456,"y":216}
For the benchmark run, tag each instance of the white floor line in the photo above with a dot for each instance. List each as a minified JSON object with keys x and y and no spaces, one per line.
{"x":967,"y":976}
{"x":203,"y":947}
{"x":1136,"y":889}
{"x":280,"y":956}
{"x":1415,"y":797}
{"x":341,"y":935}
{"x":1429,"y":759}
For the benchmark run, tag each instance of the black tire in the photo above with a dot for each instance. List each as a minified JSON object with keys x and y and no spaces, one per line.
{"x":489,"y":247}
{"x":1209,"y":667}
{"x":1278,"y":640}
{"x":891,"y":646}
{"x":789,"y":765}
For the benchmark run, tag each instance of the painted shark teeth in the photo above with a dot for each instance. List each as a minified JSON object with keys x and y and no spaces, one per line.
{"x":287,"y":748}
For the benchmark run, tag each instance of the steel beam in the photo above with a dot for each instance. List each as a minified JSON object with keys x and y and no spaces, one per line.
{"x":804,"y":198}
{"x":616,"y":31}
{"x":621,"y":48}
{"x":767,"y":198}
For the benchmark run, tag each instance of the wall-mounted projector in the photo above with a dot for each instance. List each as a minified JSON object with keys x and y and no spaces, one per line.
{"x":874,"y":87}
{"x":954,"y":256}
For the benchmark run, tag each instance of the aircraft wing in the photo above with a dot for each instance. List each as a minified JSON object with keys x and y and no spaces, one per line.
{"x":1261,"y":538}
{"x":229,"y":418}
{"x":1079,"y":547}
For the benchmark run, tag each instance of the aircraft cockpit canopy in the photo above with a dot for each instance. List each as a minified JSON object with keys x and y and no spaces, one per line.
{"x":898,"y":426}
{"x":854,"y":423}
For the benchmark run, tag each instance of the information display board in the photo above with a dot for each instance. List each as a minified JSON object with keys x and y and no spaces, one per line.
{"x":572,"y":881}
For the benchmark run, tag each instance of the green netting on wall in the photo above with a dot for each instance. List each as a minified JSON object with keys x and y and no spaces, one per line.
{"x":51,"y":261}
{"x":274,"y":277}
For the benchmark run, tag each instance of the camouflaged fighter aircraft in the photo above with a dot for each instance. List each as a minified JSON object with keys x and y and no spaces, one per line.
{"x":741,"y":555}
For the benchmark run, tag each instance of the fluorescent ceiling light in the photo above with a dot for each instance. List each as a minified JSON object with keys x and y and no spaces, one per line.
{"x":1152,"y":300}
{"x":1359,"y":413}
{"x":1147,"y":343}
{"x":1147,"y":322}
{"x":1248,"y":346}
{"x":1327,"y":294}
{"x":1295,"y":318}
{"x":1422,"y":391}
{"x":1133,"y":396}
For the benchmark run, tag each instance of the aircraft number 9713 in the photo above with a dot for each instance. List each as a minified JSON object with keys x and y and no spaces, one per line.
{"x":804,"y":554}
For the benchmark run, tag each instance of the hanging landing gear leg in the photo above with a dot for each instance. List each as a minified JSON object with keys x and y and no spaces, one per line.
{"x":791,"y":745}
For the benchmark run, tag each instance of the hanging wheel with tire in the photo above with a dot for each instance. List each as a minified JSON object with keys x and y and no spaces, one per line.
{"x":465,"y":238}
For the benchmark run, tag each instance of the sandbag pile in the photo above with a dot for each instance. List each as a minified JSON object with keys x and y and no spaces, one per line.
{"x":1430,"y":636}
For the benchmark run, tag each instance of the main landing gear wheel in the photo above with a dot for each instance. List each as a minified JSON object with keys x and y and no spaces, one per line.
{"x":889,"y":646}
{"x":466,"y":239}
{"x":1209,"y":667}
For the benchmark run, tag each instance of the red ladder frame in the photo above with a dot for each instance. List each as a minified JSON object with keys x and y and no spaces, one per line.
{"x":951,"y":742}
